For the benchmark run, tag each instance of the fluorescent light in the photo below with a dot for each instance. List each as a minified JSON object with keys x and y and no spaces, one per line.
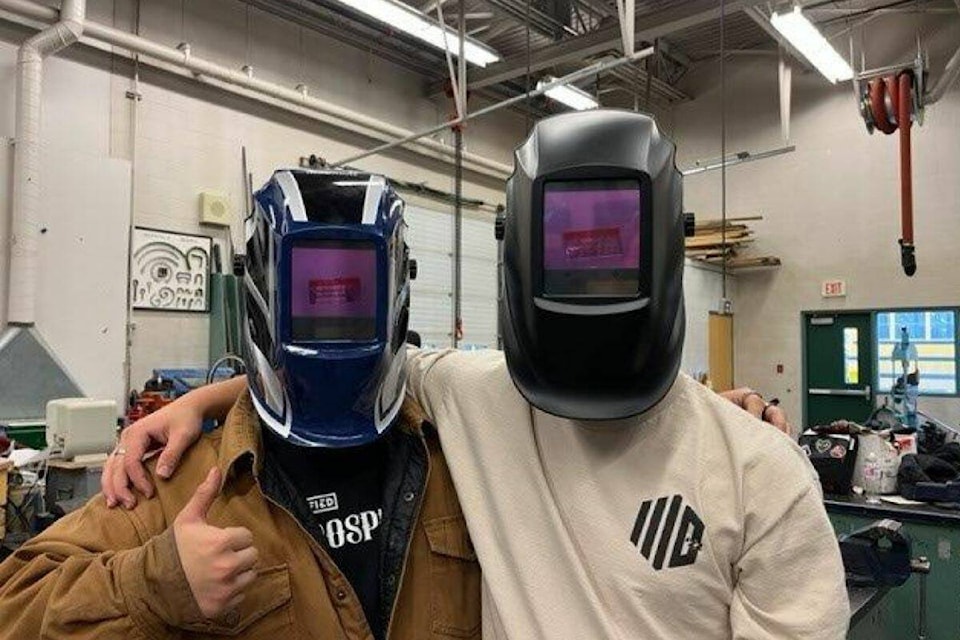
{"x":419,"y":25}
{"x":569,"y":95}
{"x":808,"y":40}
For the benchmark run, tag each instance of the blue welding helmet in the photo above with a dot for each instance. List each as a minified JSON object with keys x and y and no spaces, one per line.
{"x":326,"y":306}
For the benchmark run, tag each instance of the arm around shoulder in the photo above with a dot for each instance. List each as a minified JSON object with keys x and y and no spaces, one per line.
{"x":421,"y":374}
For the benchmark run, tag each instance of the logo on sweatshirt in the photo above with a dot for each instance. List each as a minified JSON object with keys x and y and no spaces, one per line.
{"x":322,"y":503}
{"x":684,"y":530}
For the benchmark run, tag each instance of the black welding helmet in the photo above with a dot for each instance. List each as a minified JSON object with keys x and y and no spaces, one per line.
{"x":592,"y":316}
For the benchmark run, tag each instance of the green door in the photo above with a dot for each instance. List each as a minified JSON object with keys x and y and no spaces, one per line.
{"x":839,"y":367}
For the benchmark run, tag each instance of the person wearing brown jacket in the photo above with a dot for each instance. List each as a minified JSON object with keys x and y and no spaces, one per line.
{"x":324,"y":508}
{"x":113,"y":573}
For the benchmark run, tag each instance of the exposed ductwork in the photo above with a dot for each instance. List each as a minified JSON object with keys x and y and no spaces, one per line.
{"x":26,"y":159}
{"x":30,"y":374}
{"x":323,"y":110}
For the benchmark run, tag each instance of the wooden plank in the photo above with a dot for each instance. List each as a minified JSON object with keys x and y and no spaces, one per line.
{"x":720,"y":347}
{"x":753,"y":262}
{"x":709,"y":253}
{"x":700,"y":231}
{"x":746,"y":262}
{"x":702,"y":243}
{"x":718,"y":222}
{"x":718,"y":237}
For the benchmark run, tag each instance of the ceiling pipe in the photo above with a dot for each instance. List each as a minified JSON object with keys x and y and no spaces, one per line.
{"x":326,"y":111}
{"x":372,"y":126}
{"x":26,"y":159}
{"x":570,"y":78}
{"x":702,"y":166}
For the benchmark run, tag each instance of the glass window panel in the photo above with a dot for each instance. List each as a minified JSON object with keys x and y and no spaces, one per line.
{"x":933,"y":333}
{"x":943,"y":325}
{"x":884,"y":322}
{"x":914,"y":322}
{"x":851,"y":357}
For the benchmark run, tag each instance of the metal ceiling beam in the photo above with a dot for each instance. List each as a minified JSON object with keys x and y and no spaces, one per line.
{"x":297,"y":11}
{"x":702,"y":56}
{"x":431,"y":6}
{"x":649,"y":27}
{"x":539,"y":20}
{"x":667,"y":48}
{"x":635,"y":76}
{"x":570,"y":78}
{"x":318,"y":18}
{"x":845,"y":13}
{"x":600,"y":8}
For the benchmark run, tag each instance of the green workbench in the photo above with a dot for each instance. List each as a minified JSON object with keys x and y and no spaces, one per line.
{"x":935,"y":534}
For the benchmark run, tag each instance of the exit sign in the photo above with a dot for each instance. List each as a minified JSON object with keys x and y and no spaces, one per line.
{"x":833,"y":288}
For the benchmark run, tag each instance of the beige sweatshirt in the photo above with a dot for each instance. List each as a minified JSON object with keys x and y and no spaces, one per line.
{"x":693,"y":520}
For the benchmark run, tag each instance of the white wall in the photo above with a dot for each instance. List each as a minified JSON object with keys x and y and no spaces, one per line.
{"x":702,"y":293}
{"x":188,"y":139}
{"x":831,"y":209}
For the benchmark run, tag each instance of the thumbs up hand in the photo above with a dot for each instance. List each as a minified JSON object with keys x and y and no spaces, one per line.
{"x":219,"y":563}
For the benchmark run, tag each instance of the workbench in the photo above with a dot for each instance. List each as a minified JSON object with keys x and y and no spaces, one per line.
{"x":864,"y":619}
{"x":77,"y":479}
{"x":935,"y":533}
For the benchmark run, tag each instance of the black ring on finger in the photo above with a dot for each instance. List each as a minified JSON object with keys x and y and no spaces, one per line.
{"x":763,"y":414}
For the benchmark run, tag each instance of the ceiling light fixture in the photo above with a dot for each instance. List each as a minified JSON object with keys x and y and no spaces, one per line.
{"x":421,"y":26}
{"x":807,"y":39}
{"x":569,"y":95}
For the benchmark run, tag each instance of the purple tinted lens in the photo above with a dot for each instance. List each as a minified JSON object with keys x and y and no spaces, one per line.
{"x":591,"y":237}
{"x":333,"y":292}
{"x":591,"y":228}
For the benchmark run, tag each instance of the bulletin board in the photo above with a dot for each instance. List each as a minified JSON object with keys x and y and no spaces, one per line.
{"x":170,"y":271}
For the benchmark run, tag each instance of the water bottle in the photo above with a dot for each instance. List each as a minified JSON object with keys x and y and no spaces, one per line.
{"x":910,"y":404}
{"x":872,"y":478}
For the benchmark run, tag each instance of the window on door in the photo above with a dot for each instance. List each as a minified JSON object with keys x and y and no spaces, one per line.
{"x":933,"y":332}
{"x":851,"y":355}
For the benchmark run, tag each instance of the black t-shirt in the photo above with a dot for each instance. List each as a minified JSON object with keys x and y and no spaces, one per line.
{"x":341,"y":504}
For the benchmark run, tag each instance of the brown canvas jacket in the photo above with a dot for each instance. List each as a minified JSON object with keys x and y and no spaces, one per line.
{"x":111,"y":573}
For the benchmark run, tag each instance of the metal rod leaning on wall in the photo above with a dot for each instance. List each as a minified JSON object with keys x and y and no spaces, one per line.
{"x":134,"y":96}
{"x":593,"y":69}
{"x":461,"y":88}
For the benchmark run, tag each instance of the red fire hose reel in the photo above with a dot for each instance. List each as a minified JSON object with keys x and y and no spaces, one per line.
{"x":889,"y":103}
